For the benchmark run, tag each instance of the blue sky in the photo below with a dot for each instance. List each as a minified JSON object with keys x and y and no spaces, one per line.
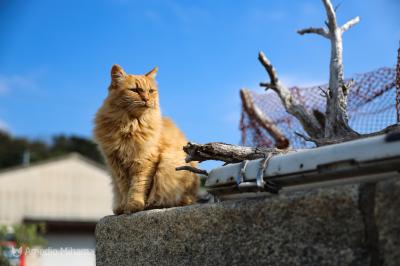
{"x":55,"y":56}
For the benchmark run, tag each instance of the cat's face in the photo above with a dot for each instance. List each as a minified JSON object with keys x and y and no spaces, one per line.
{"x":133,"y":93}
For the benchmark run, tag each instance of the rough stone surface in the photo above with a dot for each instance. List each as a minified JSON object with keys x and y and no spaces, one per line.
{"x":319,"y":227}
{"x":387,"y":213}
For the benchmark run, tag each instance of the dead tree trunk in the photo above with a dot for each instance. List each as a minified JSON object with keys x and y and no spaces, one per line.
{"x":336,"y":122}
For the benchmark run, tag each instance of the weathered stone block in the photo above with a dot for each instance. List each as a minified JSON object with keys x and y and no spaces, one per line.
{"x":319,"y":227}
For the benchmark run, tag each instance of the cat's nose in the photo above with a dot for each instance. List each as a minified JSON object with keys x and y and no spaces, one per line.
{"x":146,"y":101}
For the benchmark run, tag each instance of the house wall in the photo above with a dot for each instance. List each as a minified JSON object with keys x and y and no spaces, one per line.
{"x":70,"y":189}
{"x":68,"y":194}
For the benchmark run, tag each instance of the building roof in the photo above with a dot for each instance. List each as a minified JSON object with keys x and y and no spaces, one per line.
{"x":68,"y":188}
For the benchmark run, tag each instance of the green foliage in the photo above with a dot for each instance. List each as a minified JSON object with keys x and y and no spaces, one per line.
{"x":63,"y":144}
{"x":28,"y":235}
{"x":12,"y":149}
{"x":3,"y":260}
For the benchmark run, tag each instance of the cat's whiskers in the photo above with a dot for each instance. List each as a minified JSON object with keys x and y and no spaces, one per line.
{"x":138,"y":103}
{"x":133,"y":106}
{"x":132,"y":103}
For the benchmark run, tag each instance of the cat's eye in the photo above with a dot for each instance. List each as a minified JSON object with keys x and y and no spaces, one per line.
{"x":137,"y":90}
{"x":151,"y":90}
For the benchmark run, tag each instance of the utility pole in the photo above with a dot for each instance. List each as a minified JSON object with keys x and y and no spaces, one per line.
{"x":26,"y":158}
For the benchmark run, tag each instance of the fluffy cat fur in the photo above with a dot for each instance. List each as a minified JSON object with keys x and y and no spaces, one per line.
{"x":141,"y":147}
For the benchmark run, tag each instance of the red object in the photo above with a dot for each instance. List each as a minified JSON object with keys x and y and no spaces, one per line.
{"x":12,"y":244}
{"x":22,"y":257}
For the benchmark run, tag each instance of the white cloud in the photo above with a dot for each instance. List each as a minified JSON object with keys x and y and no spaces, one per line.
{"x":186,"y":16}
{"x":18,"y":82}
{"x":288,"y":80}
{"x":189,"y":13}
{"x":4,"y":86}
{"x":258,"y":16}
{"x":291,"y":80}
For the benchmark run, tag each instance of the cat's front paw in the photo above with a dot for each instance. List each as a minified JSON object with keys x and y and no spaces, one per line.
{"x":119,"y":209}
{"x":134,"y":206}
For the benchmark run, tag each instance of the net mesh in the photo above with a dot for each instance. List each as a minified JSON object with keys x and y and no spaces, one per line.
{"x":373,"y":104}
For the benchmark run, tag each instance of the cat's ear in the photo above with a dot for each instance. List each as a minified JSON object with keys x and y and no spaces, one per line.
{"x":153,"y":73}
{"x":117,"y":73}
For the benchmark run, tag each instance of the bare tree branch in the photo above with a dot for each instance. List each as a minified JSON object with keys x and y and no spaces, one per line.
{"x":320,"y":31}
{"x":324,"y":93}
{"x":330,"y":12}
{"x":191,"y":169}
{"x":308,"y":121}
{"x":263,"y":120}
{"x":350,"y":24}
{"x":304,"y":137}
{"x":266,"y":85}
{"x":347,"y":86}
{"x":270,"y":69}
{"x":337,"y":7}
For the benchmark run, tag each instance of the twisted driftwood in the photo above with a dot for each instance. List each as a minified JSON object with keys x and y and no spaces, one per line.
{"x":226,"y":152}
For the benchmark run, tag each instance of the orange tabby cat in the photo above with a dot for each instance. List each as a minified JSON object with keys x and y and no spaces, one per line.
{"x":141,"y":147}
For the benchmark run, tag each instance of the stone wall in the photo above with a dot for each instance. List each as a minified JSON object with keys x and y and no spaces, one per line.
{"x":346,"y":225}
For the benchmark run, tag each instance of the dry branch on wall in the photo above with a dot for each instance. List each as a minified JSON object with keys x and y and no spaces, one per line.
{"x":226,"y":152}
{"x":233,"y":154}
